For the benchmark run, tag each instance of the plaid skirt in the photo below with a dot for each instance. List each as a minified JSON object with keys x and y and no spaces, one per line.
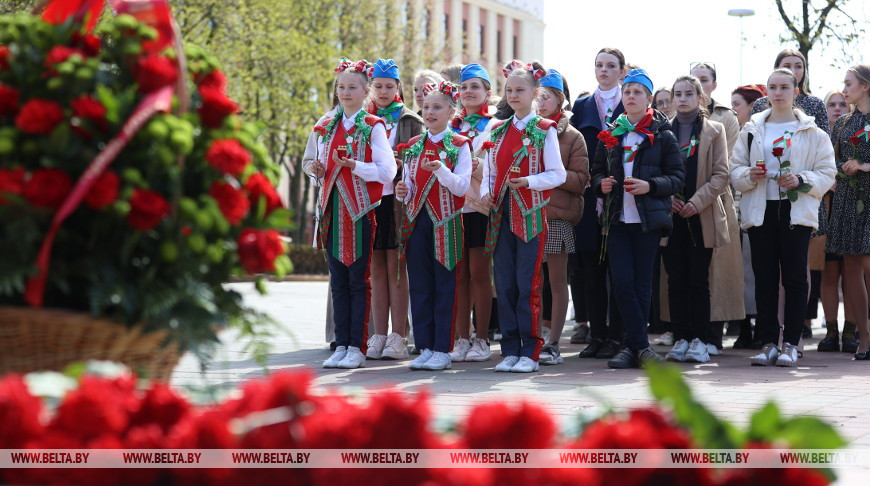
{"x":560,"y":237}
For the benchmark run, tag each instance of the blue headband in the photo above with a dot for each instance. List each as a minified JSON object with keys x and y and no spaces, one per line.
{"x":385,"y":68}
{"x":639,"y":76}
{"x":553,"y":79}
{"x":471,"y":71}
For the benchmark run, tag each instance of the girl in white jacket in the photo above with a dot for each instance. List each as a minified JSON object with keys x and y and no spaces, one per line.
{"x":783,"y":164}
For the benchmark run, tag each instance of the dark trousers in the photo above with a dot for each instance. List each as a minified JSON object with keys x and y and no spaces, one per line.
{"x":352,"y":290}
{"x":595,"y":276}
{"x":632,"y":253}
{"x":518,"y":279}
{"x":432,"y":288}
{"x":688,"y":266}
{"x":778,"y":247}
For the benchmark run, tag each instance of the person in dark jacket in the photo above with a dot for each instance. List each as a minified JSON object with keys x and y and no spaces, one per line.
{"x":591,"y":114}
{"x":637,"y":169}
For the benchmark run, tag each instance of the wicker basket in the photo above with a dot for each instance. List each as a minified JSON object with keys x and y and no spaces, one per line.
{"x":50,"y":339}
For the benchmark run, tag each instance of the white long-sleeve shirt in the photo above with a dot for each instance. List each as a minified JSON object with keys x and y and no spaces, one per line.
{"x":383,"y":169}
{"x":456,"y":181}
{"x":553,"y":174}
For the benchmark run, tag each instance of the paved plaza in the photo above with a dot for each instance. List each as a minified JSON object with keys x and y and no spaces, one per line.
{"x":828,"y":385}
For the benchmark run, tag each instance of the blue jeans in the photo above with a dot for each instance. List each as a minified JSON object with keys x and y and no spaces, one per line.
{"x":632,"y":254}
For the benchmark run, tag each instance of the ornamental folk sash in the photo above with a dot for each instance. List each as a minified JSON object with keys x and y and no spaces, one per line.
{"x":518,"y":154}
{"x":443,"y":207}
{"x":354,"y":199}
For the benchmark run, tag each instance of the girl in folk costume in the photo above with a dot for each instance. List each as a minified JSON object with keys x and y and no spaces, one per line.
{"x":521,"y":169}
{"x":388,"y":274}
{"x":783,"y":164}
{"x":637,"y":168}
{"x":438,"y":173}
{"x":699,"y":221}
{"x":355,"y":162}
{"x":474,"y":287}
{"x":591,"y":115}
{"x":564,"y":209}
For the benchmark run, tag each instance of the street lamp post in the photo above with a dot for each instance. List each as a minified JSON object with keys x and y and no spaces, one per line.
{"x":740,"y":13}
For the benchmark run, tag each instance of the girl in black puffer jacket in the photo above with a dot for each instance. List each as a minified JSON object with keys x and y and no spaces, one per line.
{"x":637,"y":169}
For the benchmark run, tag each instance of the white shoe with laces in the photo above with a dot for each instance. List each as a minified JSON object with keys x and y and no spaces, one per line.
{"x":479,"y":351}
{"x":697,"y":352}
{"x":712,"y":350}
{"x":396,"y":347}
{"x":788,"y":357}
{"x":338,"y":355}
{"x":507,"y":363}
{"x":678,"y":352}
{"x":354,"y":359}
{"x":439,"y":361}
{"x":460,"y":349}
{"x":767,"y":357}
{"x":419,"y":361}
{"x":525,"y":365}
{"x":375,"y":346}
{"x":666,"y":339}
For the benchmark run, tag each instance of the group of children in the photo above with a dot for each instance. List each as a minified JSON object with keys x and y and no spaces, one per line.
{"x":427,"y":204}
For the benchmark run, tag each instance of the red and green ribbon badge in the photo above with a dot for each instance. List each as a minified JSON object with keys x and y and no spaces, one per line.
{"x":349,"y":140}
{"x":864,"y":133}
{"x":784,"y":140}
{"x":630,"y":151}
{"x":524,"y":150}
{"x":691,"y":147}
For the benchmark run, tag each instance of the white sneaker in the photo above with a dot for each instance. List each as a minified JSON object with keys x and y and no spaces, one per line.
{"x":525,"y":365}
{"x":460,"y":349}
{"x":678,"y":352}
{"x":479,"y":351}
{"x":507,"y":363}
{"x":354,"y":359}
{"x":438,"y":361}
{"x":767,"y":356}
{"x":337,"y":356}
{"x":712,"y":350}
{"x":697,"y":352}
{"x":788,"y":357}
{"x":376,"y":346}
{"x":419,"y":361}
{"x":666,"y":339}
{"x":396,"y":347}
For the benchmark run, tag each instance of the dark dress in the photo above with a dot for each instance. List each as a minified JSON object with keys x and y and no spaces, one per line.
{"x":848,"y":231}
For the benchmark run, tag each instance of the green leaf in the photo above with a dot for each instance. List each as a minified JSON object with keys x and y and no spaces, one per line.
{"x":810,"y":433}
{"x":764,"y":423}
{"x":842,"y":175}
{"x":852,"y":182}
{"x":75,"y":370}
{"x":804,"y":188}
{"x":785,"y":164}
{"x":859,"y":207}
{"x":104,"y":95}
{"x":792,"y":195}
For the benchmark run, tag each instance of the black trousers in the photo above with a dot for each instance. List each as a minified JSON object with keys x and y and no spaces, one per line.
{"x":688,"y":266}
{"x":779,"y":247}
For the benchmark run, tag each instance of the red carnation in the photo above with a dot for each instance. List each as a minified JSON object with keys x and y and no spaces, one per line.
{"x":456,"y":122}
{"x":147,"y":208}
{"x":401,"y":147}
{"x":777,"y":151}
{"x":214,"y":79}
{"x":854,"y":140}
{"x":487,"y":145}
{"x":233,"y":203}
{"x":5,"y":57}
{"x":87,"y":108}
{"x":321,"y":130}
{"x":39,"y":116}
{"x":59,"y":54}
{"x":104,"y":191}
{"x":47,"y":188}
{"x":154,"y":72}
{"x":216,"y":106}
{"x":609,"y":140}
{"x":8,"y":100}
{"x":228,"y":156}
{"x":19,"y":413}
{"x":258,"y":249}
{"x":90,"y":44}
{"x":11,"y":182}
{"x":259,"y":186}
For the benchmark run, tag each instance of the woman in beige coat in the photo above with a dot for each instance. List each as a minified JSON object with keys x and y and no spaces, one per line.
{"x":564,"y":209}
{"x":700,"y":223}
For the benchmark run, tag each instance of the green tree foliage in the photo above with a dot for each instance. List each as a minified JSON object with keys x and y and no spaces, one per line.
{"x":820,"y":22}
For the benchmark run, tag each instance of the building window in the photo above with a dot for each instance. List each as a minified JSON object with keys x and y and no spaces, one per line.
{"x":498,"y":50}
{"x":482,"y":40}
{"x":464,"y":35}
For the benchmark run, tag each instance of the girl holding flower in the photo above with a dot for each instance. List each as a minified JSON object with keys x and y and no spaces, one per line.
{"x":355,"y":162}
{"x":519,"y":172}
{"x":438,"y":175}
{"x":849,"y":224}
{"x":783,"y":165}
{"x":637,"y":168}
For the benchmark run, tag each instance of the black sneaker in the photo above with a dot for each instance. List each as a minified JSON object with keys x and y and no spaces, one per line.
{"x":592,"y":350}
{"x":625,"y":359}
{"x":581,"y":335}
{"x":608,"y":350}
{"x":647,"y":355}
{"x":807,"y":333}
